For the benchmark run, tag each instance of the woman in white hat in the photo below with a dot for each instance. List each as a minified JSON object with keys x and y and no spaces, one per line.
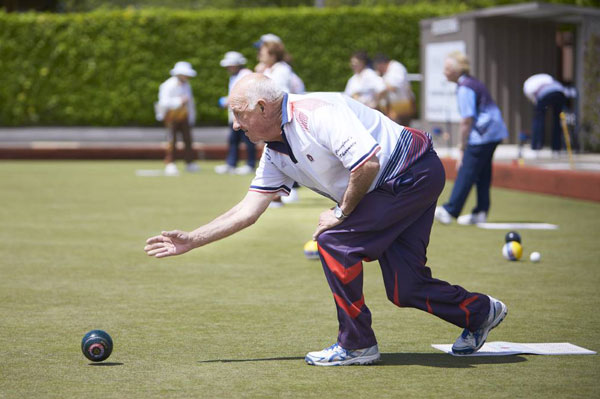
{"x":234,"y":63}
{"x":177,"y":109}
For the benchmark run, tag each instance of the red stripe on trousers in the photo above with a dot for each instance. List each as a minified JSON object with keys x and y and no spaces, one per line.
{"x":396,"y":300}
{"x":345,"y":275}
{"x":466,"y":303}
{"x":352,"y":309}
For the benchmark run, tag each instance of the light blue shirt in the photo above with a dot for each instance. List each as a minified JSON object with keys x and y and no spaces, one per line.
{"x":488,"y":125}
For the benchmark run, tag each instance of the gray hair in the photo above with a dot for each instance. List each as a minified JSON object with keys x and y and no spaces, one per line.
{"x":261,"y":88}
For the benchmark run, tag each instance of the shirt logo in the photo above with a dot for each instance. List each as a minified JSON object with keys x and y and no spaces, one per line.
{"x":310,"y":158}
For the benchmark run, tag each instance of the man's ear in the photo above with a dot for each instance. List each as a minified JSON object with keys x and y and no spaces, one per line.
{"x":261,"y":105}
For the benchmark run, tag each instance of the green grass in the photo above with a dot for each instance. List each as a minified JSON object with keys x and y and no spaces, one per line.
{"x":235,"y":319}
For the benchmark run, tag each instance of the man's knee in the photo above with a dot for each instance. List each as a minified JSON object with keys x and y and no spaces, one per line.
{"x":327,"y":240}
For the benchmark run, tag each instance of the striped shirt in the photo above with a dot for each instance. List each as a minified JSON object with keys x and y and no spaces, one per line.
{"x":327,"y":136}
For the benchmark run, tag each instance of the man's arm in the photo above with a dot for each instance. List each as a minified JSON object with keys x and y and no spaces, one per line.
{"x":178,"y":242}
{"x":360,"y":181}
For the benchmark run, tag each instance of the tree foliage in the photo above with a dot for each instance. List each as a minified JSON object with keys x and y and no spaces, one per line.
{"x":104,"y":67}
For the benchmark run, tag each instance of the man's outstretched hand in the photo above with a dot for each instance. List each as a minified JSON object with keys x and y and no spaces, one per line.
{"x":169,"y":243}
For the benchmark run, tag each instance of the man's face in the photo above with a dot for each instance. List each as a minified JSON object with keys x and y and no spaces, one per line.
{"x":254,"y":124}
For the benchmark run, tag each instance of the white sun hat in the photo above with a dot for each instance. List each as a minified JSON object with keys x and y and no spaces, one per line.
{"x":183,"y":68}
{"x":266,"y":38}
{"x":233,"y":58}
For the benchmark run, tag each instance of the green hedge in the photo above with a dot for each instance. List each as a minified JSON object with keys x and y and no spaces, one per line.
{"x":104,"y":67}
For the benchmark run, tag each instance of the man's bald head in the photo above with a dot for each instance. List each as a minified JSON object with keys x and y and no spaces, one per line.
{"x":250,"y":89}
{"x":256,"y":103}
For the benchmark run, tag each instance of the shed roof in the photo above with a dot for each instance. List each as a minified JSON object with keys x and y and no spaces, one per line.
{"x":533,"y":11}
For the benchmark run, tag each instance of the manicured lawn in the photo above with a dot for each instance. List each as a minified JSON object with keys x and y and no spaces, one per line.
{"x":236,"y":318}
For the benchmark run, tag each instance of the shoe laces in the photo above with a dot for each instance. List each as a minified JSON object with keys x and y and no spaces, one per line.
{"x":470,"y":336}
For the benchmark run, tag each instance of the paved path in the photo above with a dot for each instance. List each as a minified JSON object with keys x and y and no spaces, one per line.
{"x":116,"y":136}
{"x":147,"y":137}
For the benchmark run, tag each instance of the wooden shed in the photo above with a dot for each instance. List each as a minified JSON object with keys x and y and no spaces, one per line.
{"x":506,"y":45}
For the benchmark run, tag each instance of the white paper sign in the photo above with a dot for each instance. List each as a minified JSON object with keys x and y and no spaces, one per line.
{"x":440,"y":95}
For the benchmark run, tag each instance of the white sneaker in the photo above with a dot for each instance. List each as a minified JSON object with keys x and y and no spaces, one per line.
{"x":472,"y":218}
{"x":335,"y":355}
{"x":224,"y":169}
{"x":171,"y":169}
{"x":192,"y":167}
{"x":293,"y":197}
{"x":244,"y":170}
{"x":469,"y":342}
{"x":442,"y":215}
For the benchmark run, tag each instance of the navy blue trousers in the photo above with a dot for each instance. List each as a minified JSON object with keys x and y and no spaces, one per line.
{"x":557,"y":101}
{"x":235,"y":137}
{"x":392,"y":224}
{"x":476,"y":168}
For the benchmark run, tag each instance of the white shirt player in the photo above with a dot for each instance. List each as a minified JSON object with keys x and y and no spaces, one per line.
{"x":538,"y":85}
{"x":396,"y":77}
{"x":365,"y":87}
{"x":170,"y":94}
{"x":329,"y":135}
{"x":282,"y":74}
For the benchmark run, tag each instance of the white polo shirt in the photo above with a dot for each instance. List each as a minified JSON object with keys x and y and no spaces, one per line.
{"x":282,"y":74}
{"x":365,"y":86}
{"x":170,"y":94}
{"x":326,"y":137}
{"x":396,"y":76}
{"x":538,"y":85}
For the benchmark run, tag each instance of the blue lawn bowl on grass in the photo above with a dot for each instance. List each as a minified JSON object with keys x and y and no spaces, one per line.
{"x":97,"y":345}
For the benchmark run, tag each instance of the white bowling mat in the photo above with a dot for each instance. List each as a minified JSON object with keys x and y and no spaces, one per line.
{"x":513,"y":348}
{"x":150,"y":172}
{"x":517,"y":226}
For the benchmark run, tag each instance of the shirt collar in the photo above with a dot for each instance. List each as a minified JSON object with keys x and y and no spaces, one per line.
{"x":286,"y":117}
{"x":286,"y":114}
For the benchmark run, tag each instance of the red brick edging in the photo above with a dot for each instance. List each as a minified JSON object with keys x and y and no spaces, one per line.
{"x":565,"y":183}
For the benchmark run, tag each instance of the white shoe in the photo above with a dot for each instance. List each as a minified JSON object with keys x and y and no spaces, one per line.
{"x":171,"y":169}
{"x":335,"y":355}
{"x":469,"y":342}
{"x":192,"y":167}
{"x":293,"y":197}
{"x":472,"y":218}
{"x":442,"y":215}
{"x":244,"y":170}
{"x":224,"y":169}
